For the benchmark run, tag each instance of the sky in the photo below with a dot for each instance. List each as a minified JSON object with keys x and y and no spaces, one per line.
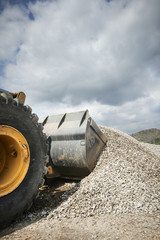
{"x":71,"y":55}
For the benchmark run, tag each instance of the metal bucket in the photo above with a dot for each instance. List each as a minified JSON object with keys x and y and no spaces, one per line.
{"x":75,"y":142}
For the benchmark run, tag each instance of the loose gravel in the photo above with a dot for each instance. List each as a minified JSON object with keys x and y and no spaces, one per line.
{"x":125,"y":180}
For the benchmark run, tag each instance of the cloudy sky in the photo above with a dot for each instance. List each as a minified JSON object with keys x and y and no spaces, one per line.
{"x":71,"y":55}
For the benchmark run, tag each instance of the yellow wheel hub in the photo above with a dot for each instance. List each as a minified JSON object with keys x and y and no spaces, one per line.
{"x":14,"y":159}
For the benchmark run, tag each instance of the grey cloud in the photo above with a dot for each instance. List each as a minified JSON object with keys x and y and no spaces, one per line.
{"x":85,"y":51}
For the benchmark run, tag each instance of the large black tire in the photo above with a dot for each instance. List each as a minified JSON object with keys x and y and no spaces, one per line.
{"x":13,"y":113}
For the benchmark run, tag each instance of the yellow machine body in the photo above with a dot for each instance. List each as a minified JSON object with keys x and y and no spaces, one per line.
{"x":19,"y":95}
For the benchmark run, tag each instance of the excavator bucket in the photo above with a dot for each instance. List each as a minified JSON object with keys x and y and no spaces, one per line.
{"x":75,"y":142}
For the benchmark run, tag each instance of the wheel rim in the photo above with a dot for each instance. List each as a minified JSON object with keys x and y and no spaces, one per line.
{"x":14,"y":159}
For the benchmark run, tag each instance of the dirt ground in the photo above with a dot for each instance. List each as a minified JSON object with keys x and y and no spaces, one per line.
{"x":104,"y":227}
{"x":38,"y":223}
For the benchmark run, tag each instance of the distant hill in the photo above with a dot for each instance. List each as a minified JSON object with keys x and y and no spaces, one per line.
{"x":148,"y":136}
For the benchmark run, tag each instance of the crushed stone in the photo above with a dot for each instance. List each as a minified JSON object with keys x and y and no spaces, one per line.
{"x":126,"y":179}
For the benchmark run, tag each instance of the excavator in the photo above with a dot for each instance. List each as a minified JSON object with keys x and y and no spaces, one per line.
{"x":59,"y":146}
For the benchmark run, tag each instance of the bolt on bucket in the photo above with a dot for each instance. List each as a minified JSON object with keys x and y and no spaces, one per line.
{"x":75,"y":142}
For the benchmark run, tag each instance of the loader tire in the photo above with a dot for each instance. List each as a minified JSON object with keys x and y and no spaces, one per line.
{"x":19,"y":118}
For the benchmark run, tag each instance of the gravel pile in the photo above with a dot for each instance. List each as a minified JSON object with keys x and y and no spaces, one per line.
{"x":153,"y":148}
{"x":125,"y":180}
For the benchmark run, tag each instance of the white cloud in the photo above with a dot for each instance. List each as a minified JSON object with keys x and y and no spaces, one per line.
{"x":12,"y":29}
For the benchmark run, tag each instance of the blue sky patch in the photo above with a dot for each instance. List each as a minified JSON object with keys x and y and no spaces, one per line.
{"x":23,"y":4}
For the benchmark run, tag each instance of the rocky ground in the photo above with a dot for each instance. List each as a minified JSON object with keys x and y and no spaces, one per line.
{"x":120,"y":199}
